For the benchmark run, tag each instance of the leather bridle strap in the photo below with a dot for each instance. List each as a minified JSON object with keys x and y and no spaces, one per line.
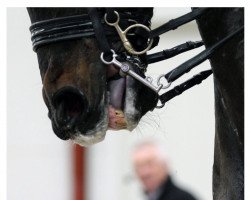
{"x":188,"y":65}
{"x":175,"y":23}
{"x":201,"y":57}
{"x":92,"y":25}
{"x":60,"y":29}
{"x":169,"y":53}
{"x":99,"y":32}
{"x":179,"y":89}
{"x":171,"y":25}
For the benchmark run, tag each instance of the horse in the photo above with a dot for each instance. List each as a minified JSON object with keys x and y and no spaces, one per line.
{"x":85,"y":98}
{"x":228,"y":71}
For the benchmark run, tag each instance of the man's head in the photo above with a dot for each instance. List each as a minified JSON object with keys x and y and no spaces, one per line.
{"x":150,"y":165}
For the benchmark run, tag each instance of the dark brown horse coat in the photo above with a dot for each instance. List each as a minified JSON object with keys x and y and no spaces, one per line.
{"x":228,"y":68}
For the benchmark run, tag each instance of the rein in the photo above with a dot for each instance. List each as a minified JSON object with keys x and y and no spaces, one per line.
{"x":92,"y":25}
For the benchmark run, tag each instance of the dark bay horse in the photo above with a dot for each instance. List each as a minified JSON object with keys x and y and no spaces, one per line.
{"x":85,"y":97}
{"x":228,"y":70}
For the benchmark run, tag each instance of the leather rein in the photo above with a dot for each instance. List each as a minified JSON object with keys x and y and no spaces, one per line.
{"x":111,"y":24}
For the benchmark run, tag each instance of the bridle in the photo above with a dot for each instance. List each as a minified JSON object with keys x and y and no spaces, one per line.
{"x":92,"y":25}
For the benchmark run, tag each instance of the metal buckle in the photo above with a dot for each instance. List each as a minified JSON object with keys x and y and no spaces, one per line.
{"x":125,"y":69}
{"x":123,"y":35}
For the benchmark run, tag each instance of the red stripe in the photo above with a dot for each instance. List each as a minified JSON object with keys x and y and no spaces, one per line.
{"x":79,"y":172}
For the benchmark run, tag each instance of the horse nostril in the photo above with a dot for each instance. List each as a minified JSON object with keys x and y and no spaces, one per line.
{"x":70,"y":105}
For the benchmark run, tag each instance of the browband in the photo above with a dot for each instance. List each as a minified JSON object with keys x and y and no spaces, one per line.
{"x":71,"y":27}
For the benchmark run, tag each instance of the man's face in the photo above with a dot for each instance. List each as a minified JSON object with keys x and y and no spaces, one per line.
{"x":150,"y":167}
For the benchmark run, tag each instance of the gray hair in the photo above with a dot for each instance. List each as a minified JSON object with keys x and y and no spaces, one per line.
{"x":160,"y":148}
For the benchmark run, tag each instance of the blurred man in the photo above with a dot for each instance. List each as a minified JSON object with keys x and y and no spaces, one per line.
{"x":151,"y":167}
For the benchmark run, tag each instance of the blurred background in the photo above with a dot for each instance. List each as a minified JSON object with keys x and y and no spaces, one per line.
{"x":41,"y":166}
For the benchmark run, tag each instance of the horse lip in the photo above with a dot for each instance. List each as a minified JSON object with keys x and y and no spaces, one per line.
{"x":117,"y":119}
{"x":94,"y":135}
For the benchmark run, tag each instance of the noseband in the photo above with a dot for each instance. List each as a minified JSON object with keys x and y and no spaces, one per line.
{"x":109,"y":26}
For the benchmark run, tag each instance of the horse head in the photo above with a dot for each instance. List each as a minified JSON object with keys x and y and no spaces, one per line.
{"x":85,"y":97}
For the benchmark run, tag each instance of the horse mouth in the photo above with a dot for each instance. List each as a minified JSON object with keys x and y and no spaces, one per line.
{"x":116,"y":98}
{"x":74,"y":116}
{"x":120,"y":104}
{"x":119,"y":112}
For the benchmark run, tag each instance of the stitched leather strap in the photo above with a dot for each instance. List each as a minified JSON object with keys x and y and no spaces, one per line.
{"x":201,"y":57}
{"x":60,"y":29}
{"x":99,"y":31}
{"x":175,"y":23}
{"x":179,"y":89}
{"x":169,"y":53}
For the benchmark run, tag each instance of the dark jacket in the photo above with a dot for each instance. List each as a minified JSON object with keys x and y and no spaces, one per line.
{"x":170,"y":191}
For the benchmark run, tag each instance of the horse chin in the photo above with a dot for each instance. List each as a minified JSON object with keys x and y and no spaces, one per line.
{"x":112,"y":119}
{"x":91,"y":137}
